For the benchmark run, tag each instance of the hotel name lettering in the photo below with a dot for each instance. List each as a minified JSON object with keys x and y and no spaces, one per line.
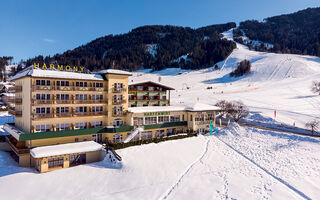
{"x":156,"y":113}
{"x":45,"y":66}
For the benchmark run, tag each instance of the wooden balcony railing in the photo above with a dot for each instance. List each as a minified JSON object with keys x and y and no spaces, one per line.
{"x":65,"y":114}
{"x":81,"y":113}
{"x":63,"y":101}
{"x":98,"y":113}
{"x":42,"y":101}
{"x":17,"y":88}
{"x":118,"y":102}
{"x":42,"y":115}
{"x":64,"y":88}
{"x":67,"y":88}
{"x":118,"y":114}
{"x":118,"y":90}
{"x":43,"y":87}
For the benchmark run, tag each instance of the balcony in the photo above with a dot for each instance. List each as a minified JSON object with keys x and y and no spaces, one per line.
{"x":98,"y":89}
{"x":118,"y":90}
{"x":17,"y":88}
{"x":86,"y":101}
{"x":64,"y":88}
{"x":118,"y":102}
{"x":17,"y":113}
{"x":43,"y":87}
{"x":77,"y":114}
{"x":99,"y":101}
{"x":63,"y":101}
{"x":42,"y":115}
{"x":18,"y":100}
{"x":117,"y":113}
{"x":41,"y":101}
{"x":65,"y":114}
{"x":98,"y":113}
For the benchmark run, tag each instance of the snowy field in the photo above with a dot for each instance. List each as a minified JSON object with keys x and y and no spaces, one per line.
{"x":239,"y":163}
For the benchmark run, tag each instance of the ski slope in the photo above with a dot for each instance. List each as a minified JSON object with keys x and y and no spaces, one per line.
{"x":278,"y":82}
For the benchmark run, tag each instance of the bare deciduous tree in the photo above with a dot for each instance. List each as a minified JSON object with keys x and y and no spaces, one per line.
{"x":313,"y":125}
{"x":315,"y":87}
{"x":234,"y":109}
{"x":238,"y":110}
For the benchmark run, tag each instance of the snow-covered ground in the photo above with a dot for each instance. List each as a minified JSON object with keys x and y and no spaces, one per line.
{"x":239,"y":163}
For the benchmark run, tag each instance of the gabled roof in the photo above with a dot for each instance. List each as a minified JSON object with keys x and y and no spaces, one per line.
{"x":202,"y":107}
{"x":114,"y":71}
{"x":30,"y":71}
{"x":151,"y":82}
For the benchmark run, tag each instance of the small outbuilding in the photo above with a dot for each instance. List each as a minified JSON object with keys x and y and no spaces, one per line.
{"x":48,"y":158}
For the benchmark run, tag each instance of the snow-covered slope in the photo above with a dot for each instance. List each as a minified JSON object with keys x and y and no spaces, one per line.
{"x":278,"y":82}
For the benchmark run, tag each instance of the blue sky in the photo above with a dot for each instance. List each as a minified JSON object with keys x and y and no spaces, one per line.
{"x":31,"y":28}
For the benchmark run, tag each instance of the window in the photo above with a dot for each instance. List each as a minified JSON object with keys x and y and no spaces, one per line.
{"x":55,"y":162}
{"x":117,"y":108}
{"x":96,"y":124}
{"x":81,"y":84}
{"x":199,"y":117}
{"x":43,"y":96}
{"x":94,"y":137}
{"x":85,"y":138}
{"x":210,"y":116}
{"x":159,"y":133}
{"x":117,"y":138}
{"x":76,"y":139}
{"x":190,"y":117}
{"x":43,"y":82}
{"x":43,"y":128}
{"x":146,"y":135}
{"x":118,"y":85}
{"x":81,"y":125}
{"x":97,"y":84}
{"x":62,"y":96}
{"x":63,"y":83}
{"x":61,"y":127}
{"x":171,"y":131}
{"x":97,"y":108}
{"x":117,"y":122}
{"x":81,"y":109}
{"x":117,"y":98}
{"x":175,"y":118}
{"x":140,"y":88}
{"x":138,"y":121}
{"x":150,"y":120}
{"x":81,"y":96}
{"x":163,"y":119}
{"x":62,"y":110}
{"x":151,"y":88}
{"x":97,"y":97}
{"x":42,"y":110}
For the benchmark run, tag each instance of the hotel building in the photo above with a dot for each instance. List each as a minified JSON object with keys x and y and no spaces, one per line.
{"x":57,"y":111}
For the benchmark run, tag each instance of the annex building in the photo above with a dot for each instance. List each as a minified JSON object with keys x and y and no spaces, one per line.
{"x":63,"y":118}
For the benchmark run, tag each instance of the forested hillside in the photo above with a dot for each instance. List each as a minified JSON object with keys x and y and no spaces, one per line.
{"x":155,"y":47}
{"x":297,"y":33}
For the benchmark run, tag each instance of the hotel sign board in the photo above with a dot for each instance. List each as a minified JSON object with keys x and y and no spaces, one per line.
{"x":68,"y":68}
{"x":156,"y":113}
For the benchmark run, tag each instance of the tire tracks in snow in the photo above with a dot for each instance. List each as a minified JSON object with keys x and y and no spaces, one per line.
{"x":172,"y":188}
{"x":298,"y":192}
